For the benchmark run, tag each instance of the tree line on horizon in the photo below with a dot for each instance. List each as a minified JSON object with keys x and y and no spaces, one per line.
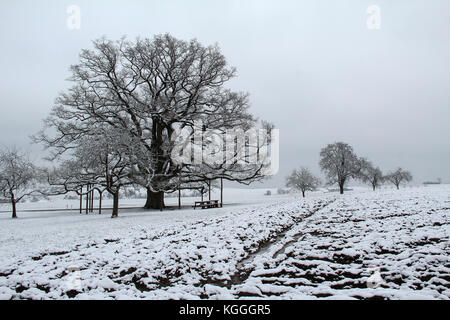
{"x":340,"y":164}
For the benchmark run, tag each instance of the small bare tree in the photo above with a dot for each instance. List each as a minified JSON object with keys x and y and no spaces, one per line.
{"x":101,"y":159}
{"x":399,"y":176}
{"x":370,"y":174}
{"x":17,"y":177}
{"x":340,"y":164}
{"x":302,"y":180}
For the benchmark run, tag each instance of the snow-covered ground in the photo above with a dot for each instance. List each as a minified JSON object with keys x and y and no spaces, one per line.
{"x":390,"y":244}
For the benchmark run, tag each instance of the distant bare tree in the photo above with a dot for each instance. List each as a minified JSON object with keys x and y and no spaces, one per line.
{"x":370,"y":174}
{"x":340,"y":164}
{"x":399,"y":176}
{"x":302,"y":180}
{"x":17,"y":177}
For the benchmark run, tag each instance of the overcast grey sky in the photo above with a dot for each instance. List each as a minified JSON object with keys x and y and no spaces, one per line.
{"x":311,"y":67}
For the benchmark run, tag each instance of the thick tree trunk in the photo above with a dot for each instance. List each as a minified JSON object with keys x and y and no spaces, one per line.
{"x":303,"y":193}
{"x":14,"y":211}
{"x":115,"y":211}
{"x":148,"y":201}
{"x":398,"y":188}
{"x":155,"y":200}
{"x":373,"y":187}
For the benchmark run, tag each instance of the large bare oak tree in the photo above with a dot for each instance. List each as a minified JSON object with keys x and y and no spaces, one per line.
{"x":148,"y":89}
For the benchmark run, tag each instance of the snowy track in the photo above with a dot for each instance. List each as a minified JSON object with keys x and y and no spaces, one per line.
{"x":401,"y":242}
{"x":388,"y":244}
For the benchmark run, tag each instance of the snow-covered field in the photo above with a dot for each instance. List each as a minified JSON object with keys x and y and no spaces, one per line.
{"x":390,"y":244}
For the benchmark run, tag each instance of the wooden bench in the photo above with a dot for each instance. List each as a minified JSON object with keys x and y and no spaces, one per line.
{"x":206,"y":204}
